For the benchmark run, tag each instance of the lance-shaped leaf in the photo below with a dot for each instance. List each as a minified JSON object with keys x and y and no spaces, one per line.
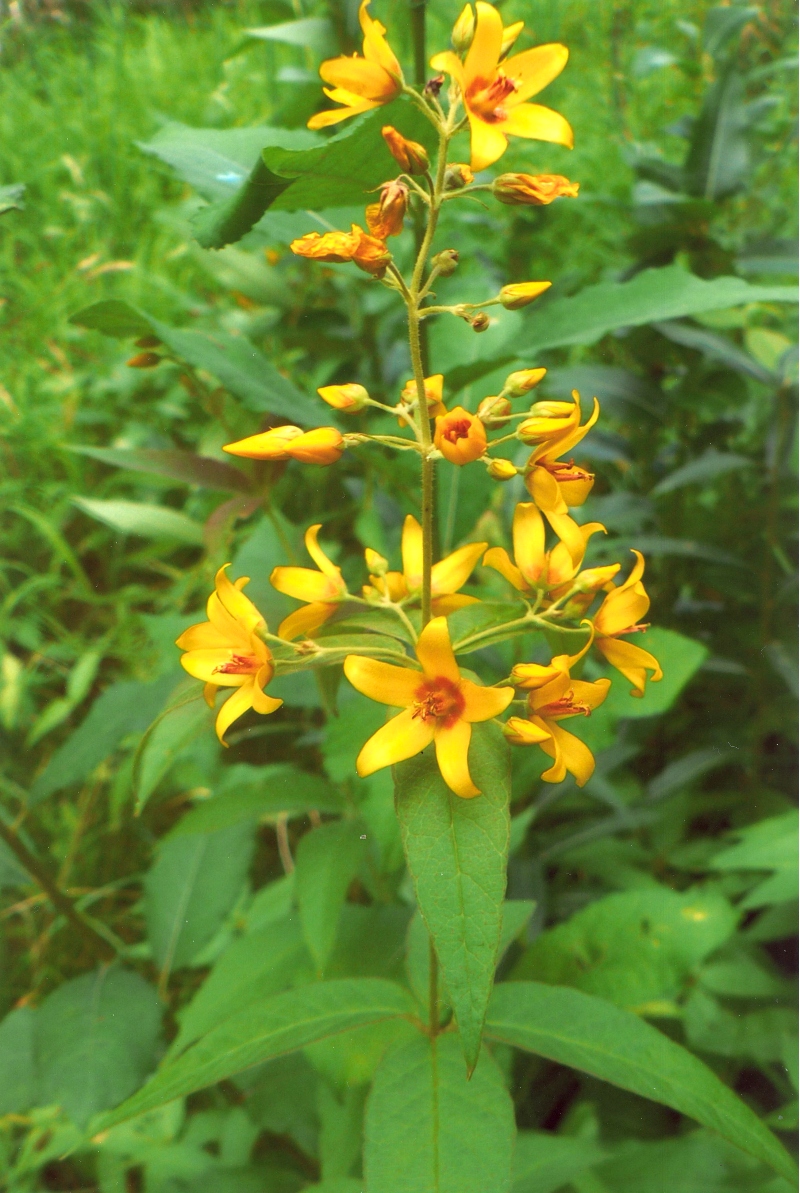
{"x":177,"y":465}
{"x":430,"y":1130}
{"x":282,"y":1024}
{"x":143,"y":519}
{"x":328,"y":859}
{"x":456,"y":851}
{"x":590,"y":1034}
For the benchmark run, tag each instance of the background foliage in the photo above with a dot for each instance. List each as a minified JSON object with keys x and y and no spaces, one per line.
{"x":667,"y":885}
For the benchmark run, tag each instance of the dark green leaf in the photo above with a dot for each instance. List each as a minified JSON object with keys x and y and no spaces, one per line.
{"x":19,"y":1088}
{"x":724,"y":22}
{"x":456,"y":851}
{"x":430,"y":1130}
{"x":716,"y":348}
{"x":180,"y":466}
{"x":328,"y":859}
{"x":567,"y":639}
{"x":718,"y":160}
{"x":544,"y":1162}
{"x":768,"y":845}
{"x":166,"y":740}
{"x":577,"y":1029}
{"x":486,"y":623}
{"x":683,"y":771}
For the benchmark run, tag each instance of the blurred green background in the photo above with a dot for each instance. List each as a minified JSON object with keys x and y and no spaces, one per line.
{"x":684,"y":121}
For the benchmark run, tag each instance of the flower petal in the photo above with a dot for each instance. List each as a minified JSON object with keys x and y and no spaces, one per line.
{"x":203,"y":636}
{"x":452,"y":751}
{"x":304,"y":584}
{"x":402,"y":737}
{"x":358,"y":76}
{"x":528,"y":535}
{"x":376,"y":47}
{"x":497,"y":558}
{"x":335,"y":115}
{"x":382,"y":681}
{"x":571,"y":534}
{"x":435,"y":652}
{"x":484,"y":51}
{"x":631,"y":661}
{"x":543,"y":488}
{"x":235,"y":602}
{"x":412,"y":553}
{"x":449,"y":63}
{"x":210,"y":693}
{"x":205,"y":664}
{"x":325,"y":565}
{"x":537,"y":123}
{"x":233,"y":708}
{"x":525,"y":733}
{"x":591,"y":694}
{"x":264,"y":703}
{"x":455,"y":569}
{"x":481,"y":704}
{"x":304,"y":621}
{"x":533,"y":69}
{"x":443,"y":606}
{"x":488,"y":142}
{"x":572,"y":754}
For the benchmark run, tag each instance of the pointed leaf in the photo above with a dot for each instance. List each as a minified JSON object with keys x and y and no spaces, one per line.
{"x":585,"y":1032}
{"x":328,"y":859}
{"x":456,"y":851}
{"x":143,"y":519}
{"x":544,"y":1162}
{"x":430,"y":1130}
{"x":178,"y":465}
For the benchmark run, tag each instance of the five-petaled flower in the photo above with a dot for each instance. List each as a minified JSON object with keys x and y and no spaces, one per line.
{"x":535,"y":570}
{"x":447,"y":576}
{"x":226,"y":652}
{"x":324,"y":589}
{"x":438,"y":706}
{"x":618,"y":615}
{"x":554,"y":696}
{"x":556,"y":427}
{"x":361,"y":83}
{"x":495,"y":92}
{"x":460,"y":436}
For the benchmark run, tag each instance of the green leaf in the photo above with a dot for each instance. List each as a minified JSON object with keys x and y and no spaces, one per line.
{"x":316,"y":33}
{"x":430,"y":1130}
{"x":328,"y":859}
{"x":456,"y":851}
{"x":763,"y":1037}
{"x":544,"y":1162}
{"x":679,"y":656}
{"x":191,"y":887}
{"x":116,"y":318}
{"x":701,"y":470}
{"x":249,"y":792}
{"x":567,"y":639}
{"x":19,"y":1087}
{"x":284,"y":1023}
{"x":697,"y":1162}
{"x":178,"y":465}
{"x":717,"y":348}
{"x":635,"y":948}
{"x":684,"y":771}
{"x":486,"y":622}
{"x":586,"y":1033}
{"x":96,"y":1040}
{"x":11,"y":197}
{"x":140,"y":518}
{"x":718,"y":160}
{"x":166,"y":740}
{"x":722,"y":23}
{"x":768,"y":845}
{"x":256,"y":966}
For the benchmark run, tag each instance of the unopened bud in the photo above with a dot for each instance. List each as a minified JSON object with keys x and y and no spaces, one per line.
{"x":501,"y":470}
{"x":463,"y":30}
{"x":521,"y":382}
{"x":493,"y":411}
{"x":148,"y":342}
{"x":377,"y":565}
{"x":533,"y":190}
{"x":593,"y":579}
{"x":350,"y":398}
{"x":445,"y":262}
{"x":144,"y":360}
{"x":480,"y":322}
{"x":410,"y":156}
{"x":457,"y":176}
{"x":510,"y":35}
{"x":518,"y":295}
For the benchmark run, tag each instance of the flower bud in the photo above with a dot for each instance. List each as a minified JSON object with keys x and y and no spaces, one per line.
{"x":550,"y":420}
{"x":460,"y":436}
{"x":510,"y":35}
{"x":144,"y":360}
{"x":518,"y":295}
{"x":323,"y":445}
{"x":493,"y":411}
{"x":269,"y":445}
{"x":350,"y":398}
{"x":385,"y":218}
{"x":533,"y":190}
{"x":480,"y":322}
{"x":501,"y":470}
{"x":593,"y":579}
{"x":433,"y":394}
{"x":148,"y":342}
{"x":445,"y":262}
{"x":519,"y":732}
{"x":463,"y":30}
{"x":457,"y":176}
{"x":521,"y":382}
{"x":377,"y":565}
{"x":410,"y":156}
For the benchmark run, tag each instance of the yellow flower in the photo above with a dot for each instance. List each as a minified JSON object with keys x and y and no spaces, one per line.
{"x":361,"y":83}
{"x":447,"y":576}
{"x":494,"y":96}
{"x":226,"y":652}
{"x":323,"y":589}
{"x":433,"y":395}
{"x":323,"y":445}
{"x":618,"y":615}
{"x":438,"y":706}
{"x":538,"y":190}
{"x":460,"y":436}
{"x":554,"y":696}
{"x":367,"y":252}
{"x":519,"y":294}
{"x":350,"y":398}
{"x":556,"y":484}
{"x":534,"y":568}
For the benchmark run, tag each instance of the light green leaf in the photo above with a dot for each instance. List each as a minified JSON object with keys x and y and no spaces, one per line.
{"x":758,"y":1036}
{"x":143,"y":519}
{"x":430,"y":1130}
{"x":697,"y":1162}
{"x":248,"y":792}
{"x":96,"y":1040}
{"x":11,"y":197}
{"x":19,"y":1087}
{"x":476,"y":626}
{"x":328,"y":859}
{"x":284,"y":1023}
{"x":167,"y":738}
{"x":679,"y":656}
{"x":317,"y":33}
{"x":768,"y":845}
{"x":456,"y":851}
{"x":635,"y":948}
{"x":577,"y":1029}
{"x":544,"y":1162}
{"x":190,"y":888}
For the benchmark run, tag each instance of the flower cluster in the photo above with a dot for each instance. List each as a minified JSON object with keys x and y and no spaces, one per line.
{"x":489,"y":93}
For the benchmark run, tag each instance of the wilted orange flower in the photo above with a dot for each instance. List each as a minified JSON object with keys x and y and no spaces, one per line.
{"x":361,"y":83}
{"x":385,"y":218}
{"x":323,"y":445}
{"x":460,"y":436}
{"x":411,"y":157}
{"x":365,"y":251}
{"x":524,"y":190}
{"x":617,"y":616}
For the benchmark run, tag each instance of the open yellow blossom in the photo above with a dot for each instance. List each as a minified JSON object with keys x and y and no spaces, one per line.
{"x":226,"y":652}
{"x":460,"y":436}
{"x":618,"y":615}
{"x":494,"y":94}
{"x":323,"y":589}
{"x":555,"y":485}
{"x":438,"y":706}
{"x":534,"y":568}
{"x":447,"y":576}
{"x":361,"y":83}
{"x":554,"y":696}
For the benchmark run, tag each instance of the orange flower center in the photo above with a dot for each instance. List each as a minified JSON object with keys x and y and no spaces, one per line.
{"x":439,"y":700}
{"x":565,"y":706}
{"x":459,"y":428}
{"x":239,"y":664}
{"x":486,"y":101}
